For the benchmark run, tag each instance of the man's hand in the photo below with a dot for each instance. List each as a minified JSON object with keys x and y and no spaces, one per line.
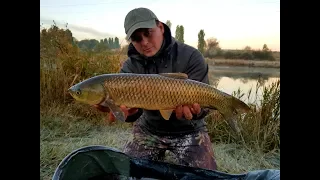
{"x":187,"y":111}
{"x":127,"y":111}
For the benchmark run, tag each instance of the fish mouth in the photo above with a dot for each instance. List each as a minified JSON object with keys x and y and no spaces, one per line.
{"x":72,"y":90}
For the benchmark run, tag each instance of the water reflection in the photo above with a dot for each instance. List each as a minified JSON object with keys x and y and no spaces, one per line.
{"x":230,"y":79}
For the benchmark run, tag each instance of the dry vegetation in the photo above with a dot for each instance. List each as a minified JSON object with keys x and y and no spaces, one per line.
{"x":242,"y":62}
{"x":66,"y":125}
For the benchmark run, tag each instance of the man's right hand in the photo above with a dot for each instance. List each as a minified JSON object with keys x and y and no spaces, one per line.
{"x":127,"y":111}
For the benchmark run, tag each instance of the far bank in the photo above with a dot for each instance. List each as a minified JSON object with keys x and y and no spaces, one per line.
{"x":231,"y":62}
{"x":243,"y":62}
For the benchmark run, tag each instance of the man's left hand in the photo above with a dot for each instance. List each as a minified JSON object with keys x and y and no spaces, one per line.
{"x":187,"y":111}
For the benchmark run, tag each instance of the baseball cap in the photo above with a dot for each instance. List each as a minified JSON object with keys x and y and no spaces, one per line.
{"x":139,"y":18}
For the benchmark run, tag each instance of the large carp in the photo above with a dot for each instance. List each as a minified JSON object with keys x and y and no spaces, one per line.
{"x":163,"y":92}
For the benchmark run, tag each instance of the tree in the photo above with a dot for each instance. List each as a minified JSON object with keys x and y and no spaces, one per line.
{"x":212,"y":43}
{"x":111,"y":43}
{"x":168,"y":23}
{"x":116,"y":43}
{"x":177,"y":36}
{"x":100,"y":47}
{"x":265,"y":48}
{"x":201,"y":41}
{"x":213,"y":48}
{"x":247,"y":48}
{"x":180,"y":33}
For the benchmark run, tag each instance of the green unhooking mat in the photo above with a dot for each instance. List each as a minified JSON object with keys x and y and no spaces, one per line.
{"x":100,"y":162}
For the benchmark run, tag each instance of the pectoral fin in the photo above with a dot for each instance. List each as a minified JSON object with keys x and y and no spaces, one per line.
{"x":166,"y":114}
{"x":115,"y":110}
{"x":175,"y":75}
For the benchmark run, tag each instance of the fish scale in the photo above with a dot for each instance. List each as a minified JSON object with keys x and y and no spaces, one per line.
{"x":158,"y":92}
{"x":163,"y":92}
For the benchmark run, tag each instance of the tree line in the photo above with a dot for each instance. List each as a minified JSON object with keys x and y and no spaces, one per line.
{"x":95,"y":45}
{"x":89,"y":44}
{"x":210,"y":48}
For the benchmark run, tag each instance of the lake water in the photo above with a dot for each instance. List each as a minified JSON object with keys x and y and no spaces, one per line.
{"x":230,"y":78}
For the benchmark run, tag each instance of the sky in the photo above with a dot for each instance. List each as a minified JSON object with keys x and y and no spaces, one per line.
{"x":235,"y":23}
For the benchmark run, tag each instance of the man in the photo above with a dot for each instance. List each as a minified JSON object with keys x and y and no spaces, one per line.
{"x":153,"y":50}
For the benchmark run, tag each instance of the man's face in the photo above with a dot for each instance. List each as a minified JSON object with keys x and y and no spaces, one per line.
{"x":148,"y":41}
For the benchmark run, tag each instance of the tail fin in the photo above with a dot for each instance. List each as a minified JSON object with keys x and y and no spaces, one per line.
{"x":231,"y":118}
{"x":233,"y":123}
{"x":239,"y":105}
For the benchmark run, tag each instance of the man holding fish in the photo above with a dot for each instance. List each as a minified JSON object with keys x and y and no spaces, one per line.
{"x":152,"y":50}
{"x":165,"y":83}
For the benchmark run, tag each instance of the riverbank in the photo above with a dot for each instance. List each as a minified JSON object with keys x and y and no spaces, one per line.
{"x":243,"y":62}
{"x":229,"y":62}
{"x":60,"y":135}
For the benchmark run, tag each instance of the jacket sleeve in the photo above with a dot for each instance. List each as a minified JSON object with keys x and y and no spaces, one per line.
{"x":127,"y":67}
{"x":197,"y":69}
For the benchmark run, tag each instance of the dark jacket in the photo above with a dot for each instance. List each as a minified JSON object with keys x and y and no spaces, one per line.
{"x":173,"y":57}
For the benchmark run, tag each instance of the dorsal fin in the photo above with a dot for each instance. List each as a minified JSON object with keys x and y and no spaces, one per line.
{"x":175,"y":75}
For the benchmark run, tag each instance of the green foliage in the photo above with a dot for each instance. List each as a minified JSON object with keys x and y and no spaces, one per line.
{"x":168,"y":23}
{"x":201,"y":41}
{"x":116,"y":44}
{"x":248,"y":55}
{"x":214,"y":51}
{"x":102,"y":45}
{"x":179,"y":33}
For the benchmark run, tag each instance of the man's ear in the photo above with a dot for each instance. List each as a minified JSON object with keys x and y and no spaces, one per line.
{"x":161,"y":26}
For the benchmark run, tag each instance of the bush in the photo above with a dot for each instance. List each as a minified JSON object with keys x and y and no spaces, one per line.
{"x":241,"y":54}
{"x":62,"y":64}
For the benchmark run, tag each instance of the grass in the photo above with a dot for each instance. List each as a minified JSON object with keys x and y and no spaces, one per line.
{"x":61,"y":135}
{"x":260,"y":127}
{"x":66,"y":125}
{"x":57,"y":139}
